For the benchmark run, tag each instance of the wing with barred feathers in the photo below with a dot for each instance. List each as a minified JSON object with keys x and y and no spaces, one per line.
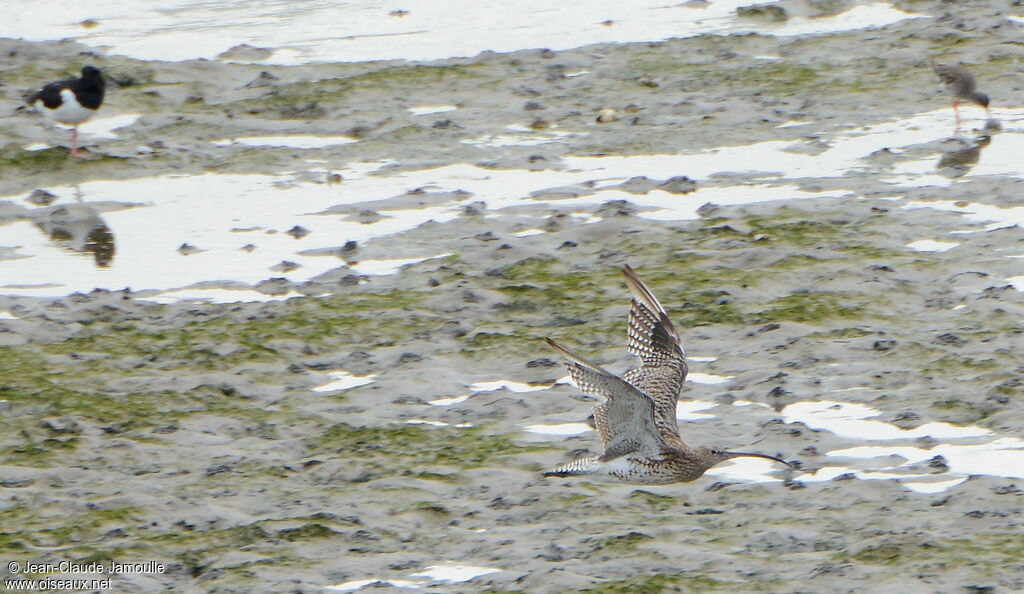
{"x":625,"y":419}
{"x":654,"y":339}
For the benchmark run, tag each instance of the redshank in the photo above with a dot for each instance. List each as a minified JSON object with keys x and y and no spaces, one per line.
{"x":961,"y":84}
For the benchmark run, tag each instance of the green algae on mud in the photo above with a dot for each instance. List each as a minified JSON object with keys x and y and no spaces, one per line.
{"x":13,"y":157}
{"x":286,"y":98}
{"x":29,"y":526}
{"x":359,"y":318}
{"x":548,"y":283}
{"x":991,"y":550}
{"x":17,"y":159}
{"x":419,"y":446}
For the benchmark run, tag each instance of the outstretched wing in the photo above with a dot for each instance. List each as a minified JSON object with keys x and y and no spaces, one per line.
{"x":654,"y":339}
{"x":625,"y":419}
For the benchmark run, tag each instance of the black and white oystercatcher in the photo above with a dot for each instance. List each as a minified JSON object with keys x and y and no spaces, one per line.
{"x":961,"y":84}
{"x":71,"y":101}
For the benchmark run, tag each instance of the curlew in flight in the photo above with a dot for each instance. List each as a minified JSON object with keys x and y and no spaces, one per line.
{"x":637,"y":420}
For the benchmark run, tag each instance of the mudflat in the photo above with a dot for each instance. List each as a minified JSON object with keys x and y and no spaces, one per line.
{"x":191,"y":435}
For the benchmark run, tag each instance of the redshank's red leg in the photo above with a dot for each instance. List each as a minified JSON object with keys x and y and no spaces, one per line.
{"x":956,"y":110}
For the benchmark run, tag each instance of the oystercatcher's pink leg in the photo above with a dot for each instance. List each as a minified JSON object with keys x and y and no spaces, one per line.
{"x":74,"y":142}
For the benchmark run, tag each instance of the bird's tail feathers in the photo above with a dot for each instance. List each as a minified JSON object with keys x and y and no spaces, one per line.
{"x":588,"y":465}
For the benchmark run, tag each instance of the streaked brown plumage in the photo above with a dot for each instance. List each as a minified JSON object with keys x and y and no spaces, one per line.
{"x":637,"y":419}
{"x":961,"y":85}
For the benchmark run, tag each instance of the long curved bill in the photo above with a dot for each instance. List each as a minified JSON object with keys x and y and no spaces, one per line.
{"x":749,"y":455}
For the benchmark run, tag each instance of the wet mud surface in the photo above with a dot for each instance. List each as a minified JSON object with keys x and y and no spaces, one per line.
{"x":193,"y":433}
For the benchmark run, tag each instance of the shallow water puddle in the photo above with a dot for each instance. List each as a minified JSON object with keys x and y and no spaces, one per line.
{"x":299,"y":141}
{"x":931,"y":245}
{"x":701,"y":359}
{"x":437,"y":423}
{"x":999,"y":457}
{"x":1002,"y":155}
{"x":562,"y":429}
{"x":525,"y":137}
{"x":689,"y":410}
{"x":996,"y":216}
{"x":928,"y":486}
{"x":511,"y":386}
{"x":529,"y":232}
{"x":843,"y":154}
{"x":453,"y":573}
{"x":783,"y":158}
{"x":920,"y":483}
{"x":706,"y":378}
{"x":215,"y":295}
{"x":430,"y":109}
{"x":449,"y":401}
{"x":753,"y":470}
{"x":359,"y":584}
{"x":854,"y":420}
{"x":343,"y":380}
{"x":94,"y":129}
{"x":982,"y":455}
{"x":504,"y":188}
{"x":284,"y":32}
{"x":235,"y":228}
{"x":998,"y":155}
{"x":209,"y":227}
{"x":862,"y":16}
{"x":103,"y":128}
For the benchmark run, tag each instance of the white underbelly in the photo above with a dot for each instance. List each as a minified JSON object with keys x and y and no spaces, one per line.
{"x":69,"y":111}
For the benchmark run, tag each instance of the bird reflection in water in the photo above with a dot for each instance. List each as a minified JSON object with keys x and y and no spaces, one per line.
{"x":80,"y":228}
{"x":957,"y":161}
